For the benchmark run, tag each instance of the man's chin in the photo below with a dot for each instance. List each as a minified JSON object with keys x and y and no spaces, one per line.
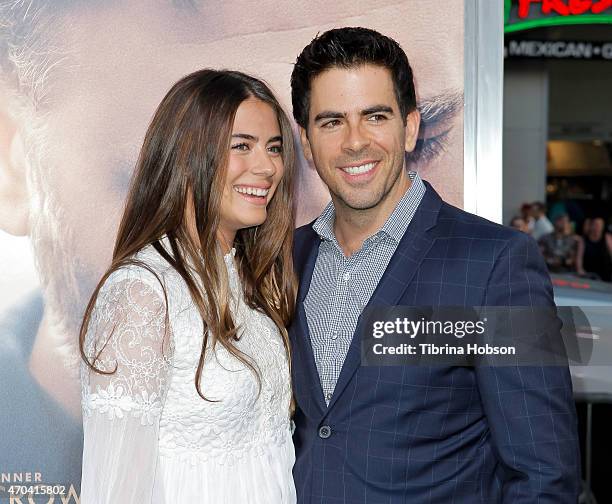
{"x":361,"y":202}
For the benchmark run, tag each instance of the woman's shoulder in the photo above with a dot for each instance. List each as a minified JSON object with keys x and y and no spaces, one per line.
{"x":147,"y":267}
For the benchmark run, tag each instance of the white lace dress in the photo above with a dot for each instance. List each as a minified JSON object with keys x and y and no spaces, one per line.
{"x":149,"y":437}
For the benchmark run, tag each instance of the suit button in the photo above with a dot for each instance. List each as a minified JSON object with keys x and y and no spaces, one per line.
{"x":325,"y":431}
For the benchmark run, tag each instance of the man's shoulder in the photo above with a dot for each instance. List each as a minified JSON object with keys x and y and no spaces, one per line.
{"x":457,"y":223}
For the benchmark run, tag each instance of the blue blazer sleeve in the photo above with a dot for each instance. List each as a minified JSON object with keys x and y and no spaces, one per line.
{"x":531,"y":410}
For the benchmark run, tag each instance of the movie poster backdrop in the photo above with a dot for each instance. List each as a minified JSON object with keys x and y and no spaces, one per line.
{"x":79,"y":81}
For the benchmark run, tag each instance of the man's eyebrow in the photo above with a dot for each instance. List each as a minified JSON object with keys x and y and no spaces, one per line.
{"x":376,"y":109}
{"x":329,"y":114}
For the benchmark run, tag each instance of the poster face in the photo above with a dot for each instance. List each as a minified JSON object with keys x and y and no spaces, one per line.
{"x":79,"y":81}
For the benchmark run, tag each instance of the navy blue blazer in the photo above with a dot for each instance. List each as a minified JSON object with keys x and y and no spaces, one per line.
{"x":437,"y":434}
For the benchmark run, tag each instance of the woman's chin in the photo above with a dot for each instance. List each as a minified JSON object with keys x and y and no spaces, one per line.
{"x":249,"y":223}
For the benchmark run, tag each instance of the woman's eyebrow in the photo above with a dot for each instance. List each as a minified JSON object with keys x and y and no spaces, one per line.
{"x":245,"y":136}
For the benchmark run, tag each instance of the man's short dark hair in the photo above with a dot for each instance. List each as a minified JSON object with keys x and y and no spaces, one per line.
{"x":348,"y":48}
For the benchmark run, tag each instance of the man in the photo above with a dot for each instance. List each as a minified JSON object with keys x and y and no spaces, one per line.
{"x":518,"y":223}
{"x":594,"y":254}
{"x":527,"y":216}
{"x":560,"y":247}
{"x":541,"y":224}
{"x":79,"y":81}
{"x":430,"y":434}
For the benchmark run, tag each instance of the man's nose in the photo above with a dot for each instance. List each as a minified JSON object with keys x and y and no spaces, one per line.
{"x":355,"y":138}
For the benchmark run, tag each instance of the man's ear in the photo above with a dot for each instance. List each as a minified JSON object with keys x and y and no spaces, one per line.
{"x":14,"y":200}
{"x":413,"y":120}
{"x":305,"y":144}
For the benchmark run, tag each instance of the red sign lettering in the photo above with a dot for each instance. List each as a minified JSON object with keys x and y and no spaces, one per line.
{"x":564,"y":7}
{"x":577,"y":7}
{"x":602,"y":5}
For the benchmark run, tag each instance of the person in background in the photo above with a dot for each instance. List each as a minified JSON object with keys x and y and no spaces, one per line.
{"x":541,"y":225}
{"x":520,"y":224}
{"x":586,"y":225}
{"x":595,"y":251}
{"x":527,"y":217}
{"x":560,"y":247}
{"x":568,"y":206}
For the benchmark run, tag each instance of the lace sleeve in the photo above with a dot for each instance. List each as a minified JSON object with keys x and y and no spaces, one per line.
{"x":129,"y":335}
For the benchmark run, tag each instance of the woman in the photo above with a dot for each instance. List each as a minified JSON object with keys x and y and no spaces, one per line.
{"x":185,"y":378}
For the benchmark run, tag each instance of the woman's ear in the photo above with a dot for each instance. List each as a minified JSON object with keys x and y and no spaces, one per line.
{"x":14,"y":198}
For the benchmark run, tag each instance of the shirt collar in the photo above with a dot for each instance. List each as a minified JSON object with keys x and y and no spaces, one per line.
{"x":396,"y":224}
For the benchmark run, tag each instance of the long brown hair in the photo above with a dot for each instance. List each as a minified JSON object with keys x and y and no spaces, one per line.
{"x":184,"y":159}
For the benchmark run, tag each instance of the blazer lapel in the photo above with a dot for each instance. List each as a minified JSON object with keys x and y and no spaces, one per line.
{"x":309,"y":387}
{"x":405,"y":262}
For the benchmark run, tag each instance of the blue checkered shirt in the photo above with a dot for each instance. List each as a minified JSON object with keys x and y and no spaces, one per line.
{"x":342,"y":286}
